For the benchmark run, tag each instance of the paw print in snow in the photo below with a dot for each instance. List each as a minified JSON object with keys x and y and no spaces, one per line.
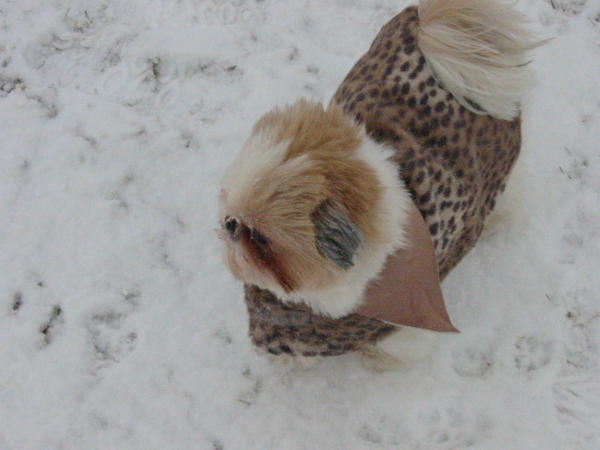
{"x":473,"y":362}
{"x":533,"y":353}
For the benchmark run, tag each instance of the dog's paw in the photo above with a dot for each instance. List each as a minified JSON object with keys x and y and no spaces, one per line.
{"x":295,"y":362}
{"x":495,"y":223}
{"x":377,"y":360}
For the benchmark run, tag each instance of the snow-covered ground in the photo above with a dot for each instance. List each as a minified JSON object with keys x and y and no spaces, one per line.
{"x":121,"y":329}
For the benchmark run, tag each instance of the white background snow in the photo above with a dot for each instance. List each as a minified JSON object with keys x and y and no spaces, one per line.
{"x":121,"y":329}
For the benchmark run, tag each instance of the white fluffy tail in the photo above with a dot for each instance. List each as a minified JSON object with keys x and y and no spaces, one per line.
{"x":478,"y":50}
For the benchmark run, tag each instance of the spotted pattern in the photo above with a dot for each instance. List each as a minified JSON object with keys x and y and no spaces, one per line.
{"x":453,"y":162}
{"x":287,"y":328}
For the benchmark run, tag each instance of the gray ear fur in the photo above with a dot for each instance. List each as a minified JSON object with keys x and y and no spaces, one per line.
{"x":337,"y":236}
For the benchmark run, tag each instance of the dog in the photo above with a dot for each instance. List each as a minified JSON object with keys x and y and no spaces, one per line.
{"x":424,"y":129}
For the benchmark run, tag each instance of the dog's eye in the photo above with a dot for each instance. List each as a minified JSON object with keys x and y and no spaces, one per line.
{"x":259,"y":238}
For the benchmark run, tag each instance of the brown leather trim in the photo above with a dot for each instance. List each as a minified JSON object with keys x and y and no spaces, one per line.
{"x":407,"y":292}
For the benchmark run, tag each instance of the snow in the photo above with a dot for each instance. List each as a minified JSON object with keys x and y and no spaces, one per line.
{"x":120,"y":327}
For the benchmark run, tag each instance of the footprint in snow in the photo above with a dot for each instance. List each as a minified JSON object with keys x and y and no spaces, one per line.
{"x":473,"y":362}
{"x":533,"y":353}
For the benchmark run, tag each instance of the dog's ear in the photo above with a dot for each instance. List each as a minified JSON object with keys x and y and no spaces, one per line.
{"x":337,"y":237}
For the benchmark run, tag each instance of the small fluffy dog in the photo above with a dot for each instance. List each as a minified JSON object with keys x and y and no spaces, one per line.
{"x":320,"y":198}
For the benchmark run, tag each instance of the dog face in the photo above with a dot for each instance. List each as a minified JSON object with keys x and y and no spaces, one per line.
{"x":297,"y":203}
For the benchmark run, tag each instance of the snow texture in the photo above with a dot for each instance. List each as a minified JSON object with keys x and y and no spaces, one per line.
{"x":120,"y":328}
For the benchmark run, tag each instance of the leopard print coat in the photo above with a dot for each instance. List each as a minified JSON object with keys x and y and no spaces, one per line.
{"x":453,"y":162}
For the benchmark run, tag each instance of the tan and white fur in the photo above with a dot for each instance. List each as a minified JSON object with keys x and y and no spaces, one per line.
{"x":275,"y":189}
{"x":312,"y":206}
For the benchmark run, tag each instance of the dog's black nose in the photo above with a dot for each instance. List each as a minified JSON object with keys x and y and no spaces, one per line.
{"x":231,"y":225}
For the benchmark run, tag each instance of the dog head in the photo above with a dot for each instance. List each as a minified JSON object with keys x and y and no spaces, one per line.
{"x":299,"y":204}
